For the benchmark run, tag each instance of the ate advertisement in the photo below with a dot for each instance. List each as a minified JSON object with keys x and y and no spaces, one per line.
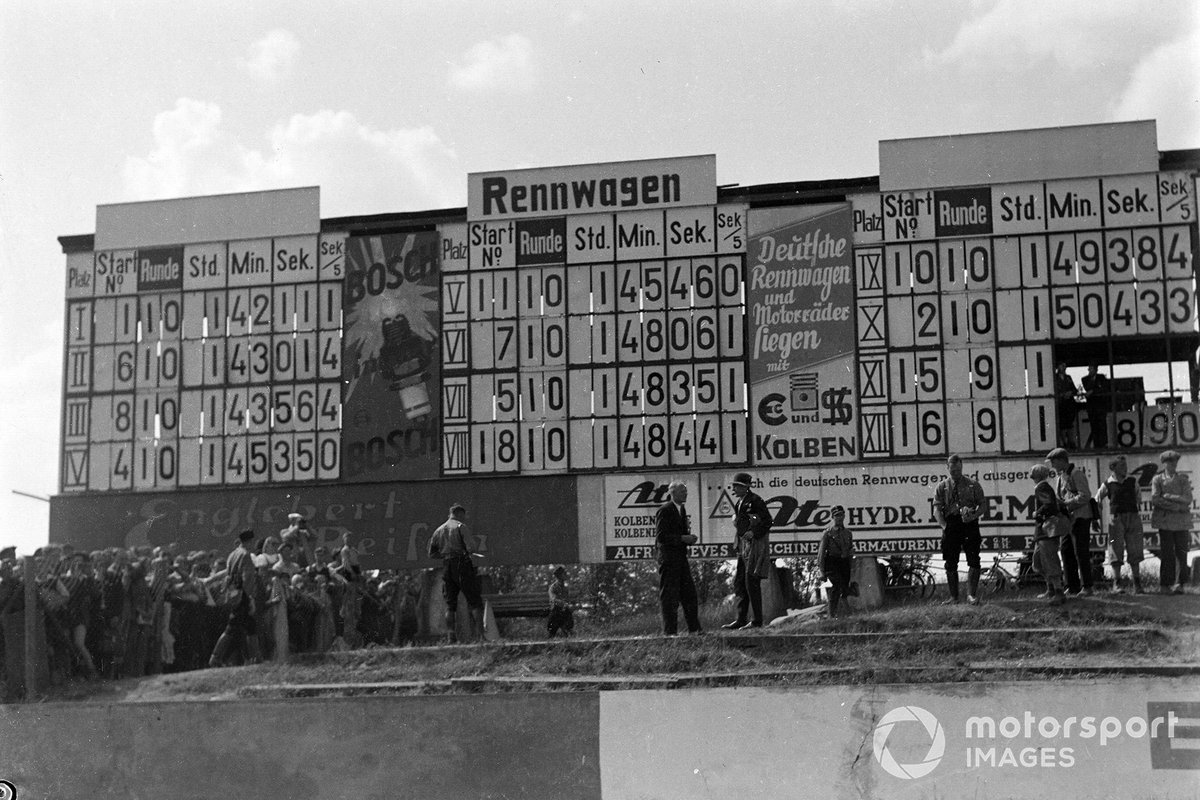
{"x":391,"y":364}
{"x":800,"y":304}
{"x":889,"y":507}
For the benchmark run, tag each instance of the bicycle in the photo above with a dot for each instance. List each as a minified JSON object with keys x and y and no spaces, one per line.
{"x":998,"y":580}
{"x":907,"y":580}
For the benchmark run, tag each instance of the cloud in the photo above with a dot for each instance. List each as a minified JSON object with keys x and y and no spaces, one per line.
{"x":505,"y":63}
{"x":272,"y":57}
{"x":360,"y":169}
{"x":1073,"y":33}
{"x":1165,"y":86}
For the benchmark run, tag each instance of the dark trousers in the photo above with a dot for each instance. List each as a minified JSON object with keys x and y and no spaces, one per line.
{"x":1098,"y":419}
{"x":675,"y":588}
{"x":459,"y":575}
{"x":1077,"y":555}
{"x":747,"y":587}
{"x":961,"y":538}
{"x":838,"y":571}
{"x":1173,"y":554}
{"x":561,"y":619}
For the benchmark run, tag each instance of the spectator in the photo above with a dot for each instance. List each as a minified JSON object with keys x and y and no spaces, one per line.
{"x":1051,"y":523}
{"x":453,"y":544}
{"x":188,"y":613}
{"x":269,"y":554}
{"x":139,"y":620}
{"x":1171,"y":513}
{"x":351,"y":569}
{"x":835,"y":557}
{"x":279,"y":591}
{"x":1124,"y":522}
{"x":83,"y":595}
{"x":320,"y":563}
{"x":160,"y":644}
{"x":676,"y":586}
{"x":560,"y":606}
{"x":1067,"y":405}
{"x":301,"y":614}
{"x":241,"y":585}
{"x":298,"y":533}
{"x":752,"y":526}
{"x":1075,"y":498}
{"x":1097,"y":391}
{"x":958,"y":503}
{"x":324,"y":627}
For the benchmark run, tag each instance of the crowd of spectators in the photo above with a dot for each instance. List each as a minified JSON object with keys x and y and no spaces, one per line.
{"x":129,"y":612}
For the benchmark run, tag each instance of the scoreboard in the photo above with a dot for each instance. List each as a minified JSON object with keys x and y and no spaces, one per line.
{"x":209,"y":363}
{"x":966,"y":294}
{"x":597,"y":341}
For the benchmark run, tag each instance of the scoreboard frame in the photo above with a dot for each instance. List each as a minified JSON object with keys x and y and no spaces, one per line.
{"x":613,"y":333}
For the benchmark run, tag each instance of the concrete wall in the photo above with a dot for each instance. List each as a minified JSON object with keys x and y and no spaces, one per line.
{"x":500,"y":746}
{"x":835,"y":742}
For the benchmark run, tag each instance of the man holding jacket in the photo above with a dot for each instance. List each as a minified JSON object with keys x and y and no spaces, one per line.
{"x":752,"y":528}
{"x":1075,"y":496}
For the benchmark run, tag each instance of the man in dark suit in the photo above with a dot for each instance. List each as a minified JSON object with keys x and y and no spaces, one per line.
{"x":1097,"y":389}
{"x":672,"y":535}
{"x":752,"y":526}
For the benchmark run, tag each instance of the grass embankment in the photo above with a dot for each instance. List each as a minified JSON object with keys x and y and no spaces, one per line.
{"x":917,"y":643}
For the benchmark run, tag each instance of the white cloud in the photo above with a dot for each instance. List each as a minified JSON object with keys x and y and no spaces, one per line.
{"x":1072,"y":33}
{"x":360,"y":169}
{"x":505,"y":63}
{"x":1166,"y":86}
{"x":272,"y":57}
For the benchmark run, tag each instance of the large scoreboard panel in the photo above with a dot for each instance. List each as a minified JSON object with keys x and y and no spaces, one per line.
{"x":597,"y":341}
{"x":213,"y":363}
{"x":965,"y":296}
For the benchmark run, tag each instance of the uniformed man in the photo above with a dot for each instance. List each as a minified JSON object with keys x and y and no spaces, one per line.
{"x":453,"y":544}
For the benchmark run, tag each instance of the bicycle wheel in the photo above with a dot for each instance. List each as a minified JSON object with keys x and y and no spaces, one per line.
{"x":995,"y":582}
{"x":921,"y":581}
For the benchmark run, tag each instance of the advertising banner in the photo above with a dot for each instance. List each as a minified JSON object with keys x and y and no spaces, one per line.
{"x":391,"y":365}
{"x":800,"y":304}
{"x":630,"y":505}
{"x":514,"y":520}
{"x":889,"y":507}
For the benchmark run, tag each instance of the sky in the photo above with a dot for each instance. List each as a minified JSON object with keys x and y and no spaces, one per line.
{"x":387,"y":106}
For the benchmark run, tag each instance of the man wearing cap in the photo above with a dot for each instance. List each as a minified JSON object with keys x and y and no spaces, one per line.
{"x":453,"y":543}
{"x":958,"y":503}
{"x":1171,"y":513}
{"x":752,"y":527}
{"x":676,"y":587}
{"x":1124,"y":522}
{"x":835,"y":557}
{"x":240,"y":630}
{"x":1076,"y":497}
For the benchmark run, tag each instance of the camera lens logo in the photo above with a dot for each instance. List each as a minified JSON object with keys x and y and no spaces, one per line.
{"x":932,"y":728}
{"x":7,"y":791}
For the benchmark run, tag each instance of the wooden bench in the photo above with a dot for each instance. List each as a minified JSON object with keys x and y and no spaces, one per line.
{"x":514,"y":604}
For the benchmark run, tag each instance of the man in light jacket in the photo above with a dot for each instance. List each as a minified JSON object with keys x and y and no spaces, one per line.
{"x":1074,"y":494}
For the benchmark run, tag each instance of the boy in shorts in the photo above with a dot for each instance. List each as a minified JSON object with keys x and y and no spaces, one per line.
{"x":1124,"y":522}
